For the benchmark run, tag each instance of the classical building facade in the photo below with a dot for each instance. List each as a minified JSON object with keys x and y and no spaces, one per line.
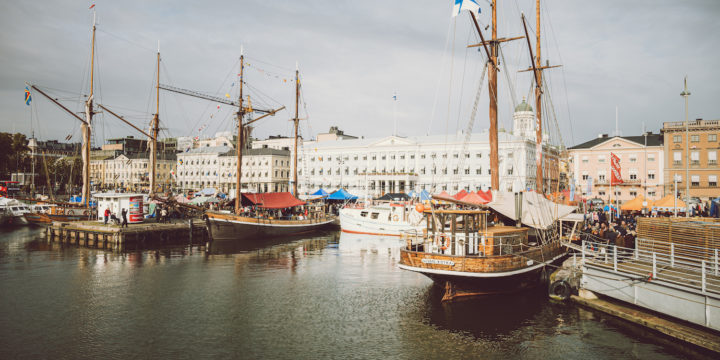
{"x":131,"y":173}
{"x":642,"y":162}
{"x":263,"y":170}
{"x":696,"y":156}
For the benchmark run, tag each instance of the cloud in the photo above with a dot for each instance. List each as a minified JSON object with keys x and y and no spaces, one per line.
{"x":353,"y":56}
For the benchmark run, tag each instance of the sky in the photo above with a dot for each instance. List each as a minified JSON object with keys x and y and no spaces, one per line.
{"x":621,"y":57}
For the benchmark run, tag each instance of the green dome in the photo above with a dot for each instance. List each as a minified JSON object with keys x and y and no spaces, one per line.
{"x":523,"y":106}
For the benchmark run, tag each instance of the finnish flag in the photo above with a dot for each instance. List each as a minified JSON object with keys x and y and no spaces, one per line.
{"x":469,"y":5}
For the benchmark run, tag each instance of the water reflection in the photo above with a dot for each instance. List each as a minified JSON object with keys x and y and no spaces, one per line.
{"x":491,"y":317}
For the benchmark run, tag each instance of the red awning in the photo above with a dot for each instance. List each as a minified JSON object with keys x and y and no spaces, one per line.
{"x":474,"y":198}
{"x":485,"y":195}
{"x":274,"y":200}
{"x":460,"y":195}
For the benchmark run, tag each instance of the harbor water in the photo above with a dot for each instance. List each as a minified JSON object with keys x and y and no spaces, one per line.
{"x":327,"y":296}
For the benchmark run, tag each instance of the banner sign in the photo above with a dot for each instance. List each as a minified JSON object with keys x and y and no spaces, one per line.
{"x":615,"y":176}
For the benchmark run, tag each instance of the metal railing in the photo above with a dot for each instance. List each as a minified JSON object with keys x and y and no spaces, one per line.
{"x":477,"y":244}
{"x":685,"y":265}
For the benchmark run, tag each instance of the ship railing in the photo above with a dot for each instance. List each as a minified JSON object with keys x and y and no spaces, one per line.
{"x":477,"y":245}
{"x":685,"y":265}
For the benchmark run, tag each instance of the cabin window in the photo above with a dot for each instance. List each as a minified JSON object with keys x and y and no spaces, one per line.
{"x":363,"y":213}
{"x":374,"y":215}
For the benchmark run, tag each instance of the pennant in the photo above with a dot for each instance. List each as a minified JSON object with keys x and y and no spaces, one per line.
{"x":28,"y":97}
{"x":91,"y":6}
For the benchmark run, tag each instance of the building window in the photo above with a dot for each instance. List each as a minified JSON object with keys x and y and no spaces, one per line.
{"x":651,"y":175}
{"x":445,"y":171}
{"x":633,"y":158}
{"x":712,"y":157}
{"x":412,"y":156}
{"x":712,"y":180}
{"x":601,"y":158}
{"x":478,"y":155}
{"x":455,"y":171}
{"x":456,"y":155}
{"x":695,"y":180}
{"x":695,"y":157}
{"x":695,"y":138}
{"x":677,"y":138}
{"x":712,"y":137}
{"x":584,"y":159}
{"x":633,"y":193}
{"x":478,"y":171}
{"x":467,"y":171}
{"x":601,"y":193}
{"x":651,"y":157}
{"x":677,"y":157}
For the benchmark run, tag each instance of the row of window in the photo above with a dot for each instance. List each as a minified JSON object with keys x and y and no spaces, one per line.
{"x":695,"y":157}
{"x":631,"y":158}
{"x":280,"y":173}
{"x":393,"y":157}
{"x":127,"y":165}
{"x":423,"y":171}
{"x":695,"y":138}
{"x":234,"y":163}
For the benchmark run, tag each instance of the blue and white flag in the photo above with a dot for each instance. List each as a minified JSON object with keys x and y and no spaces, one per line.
{"x":572,"y":189}
{"x":469,"y":5}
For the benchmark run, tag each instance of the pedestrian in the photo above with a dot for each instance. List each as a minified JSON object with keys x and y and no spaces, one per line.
{"x":124,"y":218}
{"x":163,"y":215}
{"x":157,"y":213}
{"x":107,"y":215}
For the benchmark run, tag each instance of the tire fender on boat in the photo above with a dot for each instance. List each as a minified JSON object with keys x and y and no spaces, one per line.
{"x":395,"y":217}
{"x":560,"y":290}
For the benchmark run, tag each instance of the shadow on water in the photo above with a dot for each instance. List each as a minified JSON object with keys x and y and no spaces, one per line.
{"x":310,"y":242}
{"x":490,"y":317}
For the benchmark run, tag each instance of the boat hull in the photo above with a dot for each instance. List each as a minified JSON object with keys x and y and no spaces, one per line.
{"x":47,"y":219}
{"x":475,"y":275}
{"x":222,"y":226}
{"x":351,"y":223}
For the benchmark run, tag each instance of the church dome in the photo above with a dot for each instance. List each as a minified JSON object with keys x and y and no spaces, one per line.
{"x":523,"y":106}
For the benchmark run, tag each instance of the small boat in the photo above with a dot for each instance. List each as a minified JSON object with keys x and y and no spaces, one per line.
{"x":385,"y":219}
{"x":276,"y":214}
{"x":15,"y":210}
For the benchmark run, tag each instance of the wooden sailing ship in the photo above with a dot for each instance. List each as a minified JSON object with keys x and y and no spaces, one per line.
{"x":460,"y":249}
{"x":265,"y":222}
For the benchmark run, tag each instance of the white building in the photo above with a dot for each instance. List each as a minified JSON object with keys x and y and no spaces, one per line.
{"x":375,"y":166}
{"x":130,"y":172}
{"x":264,"y":169}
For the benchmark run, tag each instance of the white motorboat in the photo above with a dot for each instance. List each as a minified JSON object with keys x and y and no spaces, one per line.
{"x":384,"y":219}
{"x":16,"y":210}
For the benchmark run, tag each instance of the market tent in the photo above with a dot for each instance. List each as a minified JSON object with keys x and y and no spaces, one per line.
{"x":715,"y":208}
{"x":635,"y":204}
{"x":485,"y":195}
{"x":413,"y":194}
{"x":342,"y":195}
{"x":274,"y":200}
{"x":393,"y":197}
{"x":537,"y":211}
{"x":474,"y":198}
{"x":460,"y":194}
{"x":424,"y":195}
{"x":182,"y":199}
{"x":206,"y":191}
{"x":204,"y":200}
{"x":668,"y":203}
{"x":320,"y":192}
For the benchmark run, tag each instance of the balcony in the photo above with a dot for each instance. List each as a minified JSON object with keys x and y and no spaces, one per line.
{"x":692,"y":125}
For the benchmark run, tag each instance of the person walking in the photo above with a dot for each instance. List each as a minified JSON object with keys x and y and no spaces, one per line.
{"x":163,"y":215}
{"x":107,"y":215}
{"x":124,"y":218}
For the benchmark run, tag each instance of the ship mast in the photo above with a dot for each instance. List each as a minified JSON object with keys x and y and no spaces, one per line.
{"x":155,"y":129}
{"x":538,"y":105}
{"x":86,"y":127}
{"x":296,"y":120}
{"x":240,"y":142}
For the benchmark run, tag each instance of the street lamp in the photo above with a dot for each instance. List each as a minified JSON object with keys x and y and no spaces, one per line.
{"x":685,"y":93}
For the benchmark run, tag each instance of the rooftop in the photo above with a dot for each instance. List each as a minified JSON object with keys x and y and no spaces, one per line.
{"x":652,"y":140}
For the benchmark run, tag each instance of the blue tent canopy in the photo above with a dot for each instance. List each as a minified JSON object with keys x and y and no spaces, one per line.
{"x":412,"y":194}
{"x":342,"y":195}
{"x":320,"y":192}
{"x":206,"y":192}
{"x":424,"y":195}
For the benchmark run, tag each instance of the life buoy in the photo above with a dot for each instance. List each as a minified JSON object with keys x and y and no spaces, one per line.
{"x":444,"y":242}
{"x":395,"y":218}
{"x":559,"y":290}
{"x":419,"y":208}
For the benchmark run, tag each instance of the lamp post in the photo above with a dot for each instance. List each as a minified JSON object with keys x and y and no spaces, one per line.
{"x":685,"y":93}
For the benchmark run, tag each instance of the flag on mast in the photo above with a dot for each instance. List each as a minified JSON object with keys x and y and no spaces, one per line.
{"x":469,"y":5}
{"x":92,"y":6}
{"x":28,"y":97}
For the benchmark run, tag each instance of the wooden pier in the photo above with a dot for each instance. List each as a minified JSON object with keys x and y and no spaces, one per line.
{"x":136,"y":236}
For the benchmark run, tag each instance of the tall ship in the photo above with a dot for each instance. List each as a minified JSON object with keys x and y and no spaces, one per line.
{"x":265,"y":214}
{"x":502,"y":247}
